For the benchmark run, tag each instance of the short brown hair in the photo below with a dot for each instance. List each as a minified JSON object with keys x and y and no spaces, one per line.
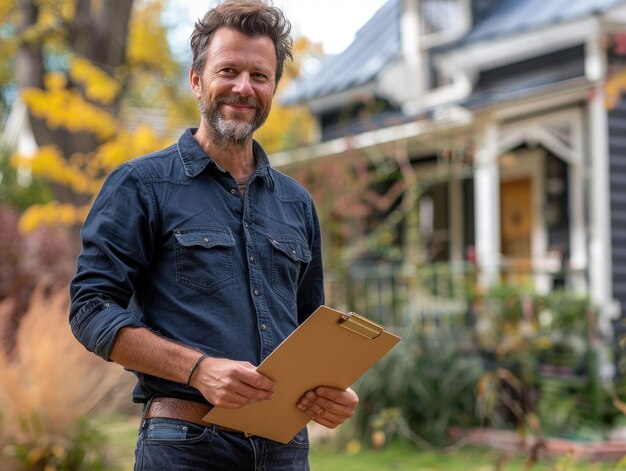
{"x":250,"y":17}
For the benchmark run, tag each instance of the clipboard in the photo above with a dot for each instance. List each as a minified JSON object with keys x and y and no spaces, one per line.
{"x":330,"y":348}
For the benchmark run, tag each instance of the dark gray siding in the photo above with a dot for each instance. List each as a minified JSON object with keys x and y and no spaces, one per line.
{"x":525,"y":78}
{"x":617,"y":169}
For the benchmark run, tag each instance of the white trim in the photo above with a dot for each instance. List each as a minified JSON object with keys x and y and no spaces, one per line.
{"x":595,"y":62}
{"x":539,"y":104}
{"x":332,"y":101}
{"x":578,"y":231}
{"x":601,"y":265}
{"x":487,"y":207}
{"x":538,"y":130}
{"x":504,"y":50}
{"x":409,"y":131}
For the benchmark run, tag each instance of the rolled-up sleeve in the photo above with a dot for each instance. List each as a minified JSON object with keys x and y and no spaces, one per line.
{"x":118,"y":242}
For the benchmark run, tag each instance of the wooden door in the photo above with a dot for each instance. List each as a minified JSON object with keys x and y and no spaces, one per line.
{"x":516,"y":224}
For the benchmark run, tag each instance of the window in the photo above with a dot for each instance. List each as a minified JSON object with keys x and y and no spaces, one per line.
{"x":442,"y":20}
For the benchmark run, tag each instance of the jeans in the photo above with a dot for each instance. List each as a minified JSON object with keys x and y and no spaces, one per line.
{"x":176,"y":445}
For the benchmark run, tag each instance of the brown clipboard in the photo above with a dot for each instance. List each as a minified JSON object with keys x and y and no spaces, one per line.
{"x":330,"y":348}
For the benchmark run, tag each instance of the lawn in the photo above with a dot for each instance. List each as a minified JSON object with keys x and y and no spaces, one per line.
{"x":397,"y":456}
{"x":404,"y":457}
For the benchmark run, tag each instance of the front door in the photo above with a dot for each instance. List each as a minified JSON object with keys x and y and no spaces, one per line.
{"x":516,"y":228}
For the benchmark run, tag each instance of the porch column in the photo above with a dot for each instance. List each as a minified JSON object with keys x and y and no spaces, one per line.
{"x":578,"y":261}
{"x":600,"y":263}
{"x":487,"y":207}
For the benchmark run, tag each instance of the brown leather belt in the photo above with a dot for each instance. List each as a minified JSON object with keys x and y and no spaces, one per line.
{"x":189,"y":411}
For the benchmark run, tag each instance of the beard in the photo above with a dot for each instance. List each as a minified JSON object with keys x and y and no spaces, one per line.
{"x":234,"y":130}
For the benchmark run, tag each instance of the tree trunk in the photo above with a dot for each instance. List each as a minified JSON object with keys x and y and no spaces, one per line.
{"x":98,"y":33}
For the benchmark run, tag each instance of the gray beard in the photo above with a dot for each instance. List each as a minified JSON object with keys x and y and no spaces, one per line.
{"x":230,"y":131}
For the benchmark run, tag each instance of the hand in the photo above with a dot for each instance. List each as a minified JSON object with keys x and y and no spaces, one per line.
{"x":329,"y":406}
{"x":231,"y":384}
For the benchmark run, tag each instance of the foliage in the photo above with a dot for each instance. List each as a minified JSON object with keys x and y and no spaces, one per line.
{"x":541,"y":360}
{"x":419,"y":390}
{"x":288,"y":127}
{"x":363,"y":202}
{"x":46,"y":254}
{"x":89,"y":67}
{"x":20,"y":190}
{"x":44,"y":421}
{"x":83,"y":102}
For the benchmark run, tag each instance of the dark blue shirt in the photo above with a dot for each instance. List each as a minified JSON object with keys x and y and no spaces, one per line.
{"x":171,"y":245}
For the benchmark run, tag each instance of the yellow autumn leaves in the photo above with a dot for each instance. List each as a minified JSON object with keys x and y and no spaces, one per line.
{"x":63,"y":107}
{"x":83,"y":174}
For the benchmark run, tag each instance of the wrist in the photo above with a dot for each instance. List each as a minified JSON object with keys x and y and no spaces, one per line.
{"x":194,"y":368}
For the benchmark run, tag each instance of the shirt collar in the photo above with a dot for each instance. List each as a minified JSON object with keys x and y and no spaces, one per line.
{"x":195,"y":160}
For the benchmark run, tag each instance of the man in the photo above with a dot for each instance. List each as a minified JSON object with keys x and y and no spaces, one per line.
{"x":198,"y":260}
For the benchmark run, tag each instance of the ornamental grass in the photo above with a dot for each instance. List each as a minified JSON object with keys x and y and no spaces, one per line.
{"x":54,"y":395}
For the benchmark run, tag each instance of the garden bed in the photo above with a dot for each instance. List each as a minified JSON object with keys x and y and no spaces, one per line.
{"x":548,"y":447}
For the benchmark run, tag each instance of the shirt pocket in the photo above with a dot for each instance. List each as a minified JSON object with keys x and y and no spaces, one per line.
{"x":204,"y":258}
{"x":288,"y":254}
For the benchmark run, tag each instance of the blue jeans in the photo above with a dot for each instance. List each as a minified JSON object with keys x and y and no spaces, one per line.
{"x":176,"y":445}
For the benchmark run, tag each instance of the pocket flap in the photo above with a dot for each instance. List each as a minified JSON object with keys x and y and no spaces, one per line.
{"x":292,"y":247}
{"x":206,"y":237}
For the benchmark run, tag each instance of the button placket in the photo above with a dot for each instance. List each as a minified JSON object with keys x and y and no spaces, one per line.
{"x":256,"y":278}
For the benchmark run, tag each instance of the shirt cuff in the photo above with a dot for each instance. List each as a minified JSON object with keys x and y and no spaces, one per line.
{"x":97,"y":323}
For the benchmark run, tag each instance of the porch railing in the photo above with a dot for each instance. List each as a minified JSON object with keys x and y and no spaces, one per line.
{"x":432,"y":297}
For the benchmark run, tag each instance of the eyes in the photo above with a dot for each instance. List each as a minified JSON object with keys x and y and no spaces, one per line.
{"x":230,"y":72}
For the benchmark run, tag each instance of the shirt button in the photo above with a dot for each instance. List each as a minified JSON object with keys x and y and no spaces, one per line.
{"x":252,"y":258}
{"x":206,"y":239}
{"x":257,"y":292}
{"x":233,"y":191}
{"x":263,"y":327}
{"x":245,"y":224}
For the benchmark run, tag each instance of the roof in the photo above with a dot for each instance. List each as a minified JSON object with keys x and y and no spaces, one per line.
{"x":516,"y":16}
{"x":375,"y":46}
{"x":378,"y":43}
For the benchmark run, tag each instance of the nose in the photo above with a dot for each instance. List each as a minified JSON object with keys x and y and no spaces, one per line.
{"x":243,"y":85}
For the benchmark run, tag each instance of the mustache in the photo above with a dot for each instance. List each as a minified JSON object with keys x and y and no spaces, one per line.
{"x":237,"y":100}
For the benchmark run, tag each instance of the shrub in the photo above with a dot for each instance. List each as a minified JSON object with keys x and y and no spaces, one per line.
{"x":53,"y":393}
{"x":419,"y":390}
{"x":47,"y":254}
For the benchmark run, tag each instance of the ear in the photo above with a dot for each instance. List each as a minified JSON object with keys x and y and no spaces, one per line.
{"x":195,"y":82}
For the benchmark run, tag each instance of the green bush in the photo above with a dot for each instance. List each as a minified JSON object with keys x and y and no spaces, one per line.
{"x":419,"y":390}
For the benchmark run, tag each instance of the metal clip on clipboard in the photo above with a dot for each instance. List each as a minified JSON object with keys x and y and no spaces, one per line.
{"x":360,"y":325}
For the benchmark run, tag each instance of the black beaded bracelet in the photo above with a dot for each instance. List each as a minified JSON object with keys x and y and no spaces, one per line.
{"x":195,"y":366}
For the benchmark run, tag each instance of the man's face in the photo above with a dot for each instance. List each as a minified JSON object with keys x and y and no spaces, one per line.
{"x":235,"y":89}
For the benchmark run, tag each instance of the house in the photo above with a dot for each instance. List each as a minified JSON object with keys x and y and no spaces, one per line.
{"x":520,"y":100}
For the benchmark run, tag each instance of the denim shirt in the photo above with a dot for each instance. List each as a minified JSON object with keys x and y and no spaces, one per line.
{"x":171,"y":245}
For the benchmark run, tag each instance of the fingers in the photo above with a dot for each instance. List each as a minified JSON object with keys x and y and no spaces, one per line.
{"x":255,"y":380}
{"x":340,"y":396}
{"x":232,"y":384}
{"x":329,"y":406}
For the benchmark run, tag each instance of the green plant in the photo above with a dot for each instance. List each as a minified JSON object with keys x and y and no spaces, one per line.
{"x":546,"y":344}
{"x":419,"y":390}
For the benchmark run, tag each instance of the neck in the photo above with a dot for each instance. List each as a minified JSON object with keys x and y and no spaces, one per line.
{"x":237,"y":158}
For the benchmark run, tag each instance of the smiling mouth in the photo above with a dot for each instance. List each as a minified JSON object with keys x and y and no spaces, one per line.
{"x":240,"y":108}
